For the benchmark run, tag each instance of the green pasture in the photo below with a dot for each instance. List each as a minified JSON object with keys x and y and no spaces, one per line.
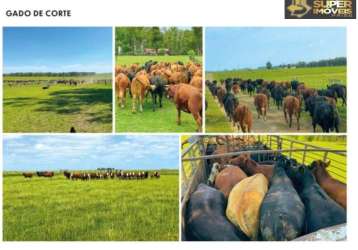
{"x":128,"y":60}
{"x":215,"y":119}
{"x":98,"y":76}
{"x":57,"y":209}
{"x":29,"y":108}
{"x":315,"y":77}
{"x":161,"y":120}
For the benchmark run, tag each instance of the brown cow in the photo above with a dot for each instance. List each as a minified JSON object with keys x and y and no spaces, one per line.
{"x":251,"y":167}
{"x":139,"y":86}
{"x":27,"y":174}
{"x":196,"y":81}
{"x":188,"y":99}
{"x":178,"y":77}
{"x":292,"y":106}
{"x":220,"y":94}
{"x":261,"y":104}
{"x":228,"y":178}
{"x":243,"y":116}
{"x":122,"y":83}
{"x":335,"y":189}
{"x":236,"y":89}
{"x":307,"y":92}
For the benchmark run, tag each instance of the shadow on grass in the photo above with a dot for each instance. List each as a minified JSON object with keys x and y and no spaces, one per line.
{"x":71,"y":101}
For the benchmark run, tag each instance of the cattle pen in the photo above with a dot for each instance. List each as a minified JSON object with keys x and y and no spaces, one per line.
{"x":196,"y":167}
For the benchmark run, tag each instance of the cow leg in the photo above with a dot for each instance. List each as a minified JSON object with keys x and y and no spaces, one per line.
{"x":298,"y":121}
{"x":178,"y":117}
{"x":258,"y":113}
{"x":290,"y":124}
{"x":153,"y":101}
{"x":141,"y":103}
{"x":134,"y":104}
{"x":285,"y":113}
{"x":160,"y":99}
{"x":197,"y":118}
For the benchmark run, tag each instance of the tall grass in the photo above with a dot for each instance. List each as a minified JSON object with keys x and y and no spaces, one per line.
{"x":58,"y":209}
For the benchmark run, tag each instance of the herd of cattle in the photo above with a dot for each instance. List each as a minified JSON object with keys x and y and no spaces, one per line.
{"x":290,"y":96}
{"x":97,"y":175}
{"x":277,"y":199}
{"x":48,"y":83}
{"x":180,"y":83}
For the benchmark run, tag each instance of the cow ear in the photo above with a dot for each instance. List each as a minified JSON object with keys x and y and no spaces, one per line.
{"x":327,"y":163}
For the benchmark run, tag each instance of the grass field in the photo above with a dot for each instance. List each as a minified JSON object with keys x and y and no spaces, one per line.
{"x":30,"y":108}
{"x":215,"y":119}
{"x":98,"y":76}
{"x":313,"y":77}
{"x":128,"y":60}
{"x":58,"y":209}
{"x":163,"y":119}
{"x":316,"y":77}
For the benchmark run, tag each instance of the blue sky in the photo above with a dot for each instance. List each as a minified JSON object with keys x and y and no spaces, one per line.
{"x":57,"y":49}
{"x":55,"y":152}
{"x":234,"y":48}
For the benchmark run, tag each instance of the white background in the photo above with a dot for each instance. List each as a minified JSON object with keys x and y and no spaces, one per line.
{"x":196,"y":13}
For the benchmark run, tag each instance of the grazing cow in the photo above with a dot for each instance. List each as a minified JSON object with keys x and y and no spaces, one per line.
{"x":292,"y":106}
{"x":27,"y":174}
{"x":139,"y":86}
{"x":321,"y":211}
{"x":122,"y":83}
{"x":205,"y":217}
{"x":228,"y":178}
{"x":334,"y":188}
{"x":250,"y":166}
{"x":326,"y":116}
{"x":157,"y":89}
{"x":243,"y":116}
{"x":188,"y":99}
{"x":67,"y":174}
{"x":261,"y":105}
{"x":243,"y":208}
{"x":282,"y":213}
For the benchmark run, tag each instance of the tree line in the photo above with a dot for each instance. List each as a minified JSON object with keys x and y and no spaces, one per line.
{"x":51,"y":74}
{"x":338,"y":61}
{"x":179,"y":41}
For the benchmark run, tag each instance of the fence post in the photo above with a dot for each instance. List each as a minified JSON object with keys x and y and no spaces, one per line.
{"x":304,"y":154}
{"x":291,"y":146}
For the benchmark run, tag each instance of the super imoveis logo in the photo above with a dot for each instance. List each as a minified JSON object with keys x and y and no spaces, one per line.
{"x":320,"y":9}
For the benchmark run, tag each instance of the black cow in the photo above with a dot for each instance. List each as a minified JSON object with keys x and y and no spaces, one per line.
{"x":157,"y":90}
{"x":326,"y":116}
{"x":340,"y":91}
{"x":282,"y":213}
{"x":278,"y":93}
{"x":205,"y":217}
{"x":230,"y":103}
{"x":321,"y":210}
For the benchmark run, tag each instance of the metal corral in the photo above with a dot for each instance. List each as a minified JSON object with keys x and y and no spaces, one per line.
{"x":194,"y":169}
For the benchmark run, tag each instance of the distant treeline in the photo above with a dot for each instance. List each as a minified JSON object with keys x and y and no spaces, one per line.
{"x":51,"y":74}
{"x":135,"y":40}
{"x":338,"y":61}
